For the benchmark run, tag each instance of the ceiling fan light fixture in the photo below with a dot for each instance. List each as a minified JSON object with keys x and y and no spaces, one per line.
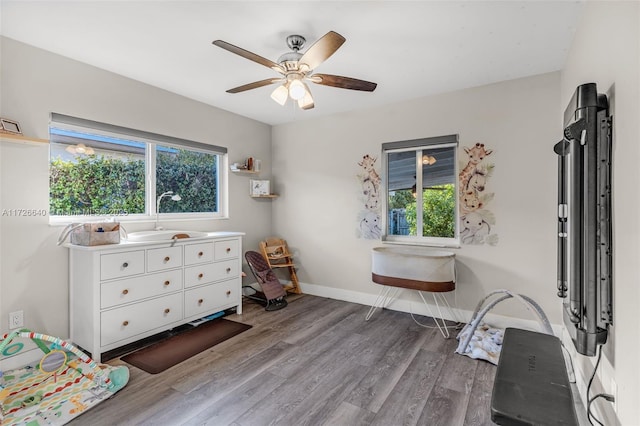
{"x":80,"y":149}
{"x":297,"y":90}
{"x":280,"y":94}
{"x":306,"y":102}
{"x":296,"y":68}
{"x":428,"y":160}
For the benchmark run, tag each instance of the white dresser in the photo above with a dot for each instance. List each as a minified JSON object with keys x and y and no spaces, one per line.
{"x":124,"y":292}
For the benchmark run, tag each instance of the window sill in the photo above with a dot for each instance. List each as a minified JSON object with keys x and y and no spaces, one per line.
{"x":133,"y":219}
{"x":453,"y":244}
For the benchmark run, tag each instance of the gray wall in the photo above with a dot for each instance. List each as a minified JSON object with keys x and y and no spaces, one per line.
{"x":606,"y":51}
{"x":33,"y":270}
{"x":315,"y":166}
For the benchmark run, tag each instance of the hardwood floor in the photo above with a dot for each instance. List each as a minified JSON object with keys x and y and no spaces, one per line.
{"x":316,"y":362}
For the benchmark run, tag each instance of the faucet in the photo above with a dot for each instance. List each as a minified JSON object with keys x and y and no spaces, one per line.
{"x":175,"y":197}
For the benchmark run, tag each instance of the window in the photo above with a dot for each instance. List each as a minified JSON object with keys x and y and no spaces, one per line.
{"x":98,"y":169}
{"x":421,"y":192}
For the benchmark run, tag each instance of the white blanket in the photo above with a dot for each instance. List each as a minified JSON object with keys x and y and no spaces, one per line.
{"x":486,"y":343}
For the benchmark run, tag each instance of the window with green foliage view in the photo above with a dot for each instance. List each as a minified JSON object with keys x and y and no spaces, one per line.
{"x":192,"y":175}
{"x":98,"y":175}
{"x":420,"y":177}
{"x":438,"y":208}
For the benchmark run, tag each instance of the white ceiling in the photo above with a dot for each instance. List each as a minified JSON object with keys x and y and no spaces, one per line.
{"x":411,"y":49}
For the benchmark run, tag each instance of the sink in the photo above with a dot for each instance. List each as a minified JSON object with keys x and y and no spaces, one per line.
{"x":164,"y":235}
{"x":420,"y":268}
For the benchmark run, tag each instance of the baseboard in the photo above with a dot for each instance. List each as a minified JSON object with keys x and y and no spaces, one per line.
{"x":418,"y":307}
{"x":583,"y":369}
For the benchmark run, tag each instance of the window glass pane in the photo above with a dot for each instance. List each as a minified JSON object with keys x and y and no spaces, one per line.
{"x":94,"y":175}
{"x":438,"y":196}
{"x":401,"y":187}
{"x":421,"y":190}
{"x":191,"y":174}
{"x":99,"y":169}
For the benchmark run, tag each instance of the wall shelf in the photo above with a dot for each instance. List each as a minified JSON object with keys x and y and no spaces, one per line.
{"x":13,"y":137}
{"x":265,"y":196}
{"x":249,"y":166}
{"x":245,"y":171}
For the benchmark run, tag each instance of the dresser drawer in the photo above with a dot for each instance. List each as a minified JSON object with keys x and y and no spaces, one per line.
{"x":226,"y":249}
{"x":119,"y":294}
{"x":164,"y":258}
{"x":115,"y":293}
{"x":198,"y":253}
{"x":119,"y":265}
{"x":201,"y":300}
{"x":210,"y":272}
{"x":128,"y":321}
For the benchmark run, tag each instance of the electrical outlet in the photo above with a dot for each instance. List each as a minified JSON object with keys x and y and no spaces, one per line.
{"x":16,"y":319}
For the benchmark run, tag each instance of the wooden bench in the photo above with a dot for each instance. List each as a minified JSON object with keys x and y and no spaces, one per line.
{"x":531,"y":385}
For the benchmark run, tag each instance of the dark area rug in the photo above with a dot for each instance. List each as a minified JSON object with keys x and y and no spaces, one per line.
{"x":172,"y":351}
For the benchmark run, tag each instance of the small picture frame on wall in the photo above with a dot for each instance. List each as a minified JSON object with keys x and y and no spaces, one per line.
{"x":10,"y":126}
{"x":259,"y":187}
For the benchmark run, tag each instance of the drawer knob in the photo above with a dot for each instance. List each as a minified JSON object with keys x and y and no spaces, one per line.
{"x":228,"y":270}
{"x":200,"y":254}
{"x":200,"y":301}
{"x":125,"y":264}
{"x":200,"y":275}
{"x":125,"y":291}
{"x":167,"y":282}
{"x":228,"y":249}
{"x":166,"y":259}
{"x":125,"y":323}
{"x":166,"y":311}
{"x":228,"y":292}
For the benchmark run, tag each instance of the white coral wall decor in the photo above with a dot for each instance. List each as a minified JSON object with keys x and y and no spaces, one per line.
{"x":369,"y":223}
{"x":476,"y":220}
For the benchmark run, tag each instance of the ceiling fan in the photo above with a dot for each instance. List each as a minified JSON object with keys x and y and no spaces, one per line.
{"x":296,"y":69}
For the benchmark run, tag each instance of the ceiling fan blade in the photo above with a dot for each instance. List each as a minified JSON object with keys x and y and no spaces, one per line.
{"x":249,"y":55}
{"x":254,"y":85}
{"x":343,"y":82}
{"x":321,"y":50}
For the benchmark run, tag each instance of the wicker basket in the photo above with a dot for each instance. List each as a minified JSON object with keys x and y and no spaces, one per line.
{"x":96,"y":234}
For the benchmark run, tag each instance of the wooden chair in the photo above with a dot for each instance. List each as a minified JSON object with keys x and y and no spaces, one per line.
{"x":277,"y":254}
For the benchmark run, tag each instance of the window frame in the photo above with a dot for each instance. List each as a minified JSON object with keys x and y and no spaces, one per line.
{"x":151,"y":141}
{"x":420,"y":145}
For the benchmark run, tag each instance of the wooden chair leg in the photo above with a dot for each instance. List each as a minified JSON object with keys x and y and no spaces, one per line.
{"x":294,"y":280}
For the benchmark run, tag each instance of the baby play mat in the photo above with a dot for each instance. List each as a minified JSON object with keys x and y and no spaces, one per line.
{"x":62,"y":385}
